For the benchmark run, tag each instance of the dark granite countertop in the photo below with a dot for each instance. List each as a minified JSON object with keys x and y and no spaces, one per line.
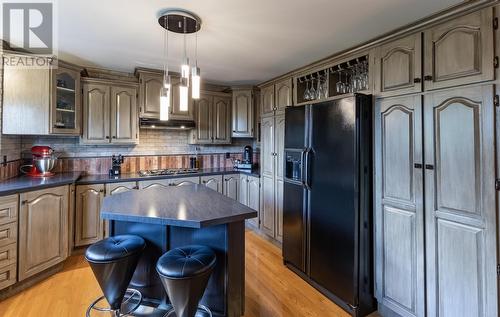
{"x":132,"y":177}
{"x":25,"y":183}
{"x":193,"y":206}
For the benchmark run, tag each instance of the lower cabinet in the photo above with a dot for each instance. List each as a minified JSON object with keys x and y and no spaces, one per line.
{"x":43,"y":230}
{"x":8,"y":240}
{"x":89,"y":227}
{"x":169,"y":182}
{"x":213,"y":181}
{"x":231,"y":185}
{"x":116,"y":188}
{"x":249,"y":195}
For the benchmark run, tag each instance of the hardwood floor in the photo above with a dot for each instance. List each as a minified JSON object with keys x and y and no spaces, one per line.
{"x":271,"y":289}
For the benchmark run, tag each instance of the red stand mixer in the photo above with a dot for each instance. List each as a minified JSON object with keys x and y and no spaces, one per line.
{"x":44,"y":161}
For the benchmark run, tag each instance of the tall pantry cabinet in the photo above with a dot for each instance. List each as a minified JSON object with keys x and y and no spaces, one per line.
{"x":275,"y":98}
{"x":435,"y":203}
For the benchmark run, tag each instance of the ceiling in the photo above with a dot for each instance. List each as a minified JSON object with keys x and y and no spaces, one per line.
{"x":240,"y":42}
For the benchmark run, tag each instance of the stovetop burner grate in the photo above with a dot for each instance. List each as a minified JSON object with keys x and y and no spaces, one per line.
{"x":168,"y":171}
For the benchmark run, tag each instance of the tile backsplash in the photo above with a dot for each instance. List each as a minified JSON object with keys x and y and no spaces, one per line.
{"x":151,"y":142}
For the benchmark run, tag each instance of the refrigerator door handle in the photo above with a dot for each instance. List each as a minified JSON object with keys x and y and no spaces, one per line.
{"x":307,"y":168}
{"x":302,"y":167}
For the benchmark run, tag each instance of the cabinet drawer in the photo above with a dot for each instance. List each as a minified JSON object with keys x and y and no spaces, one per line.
{"x":7,"y":276}
{"x":8,"y":209}
{"x":8,"y":233}
{"x":8,"y":255}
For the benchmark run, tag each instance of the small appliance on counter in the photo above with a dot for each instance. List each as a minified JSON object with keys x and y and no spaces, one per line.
{"x":247,"y":162}
{"x":116,"y":165}
{"x":44,"y":161}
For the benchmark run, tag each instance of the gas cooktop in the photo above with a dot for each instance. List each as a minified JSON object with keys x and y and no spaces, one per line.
{"x":168,"y":171}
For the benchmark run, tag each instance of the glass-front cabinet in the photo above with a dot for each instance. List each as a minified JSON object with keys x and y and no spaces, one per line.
{"x":66,"y":107}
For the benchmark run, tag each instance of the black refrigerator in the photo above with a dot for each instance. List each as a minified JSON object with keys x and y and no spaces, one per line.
{"x":327,"y":206}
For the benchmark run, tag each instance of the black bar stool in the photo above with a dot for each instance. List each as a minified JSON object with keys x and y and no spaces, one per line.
{"x":184,"y":273}
{"x":113,"y":261}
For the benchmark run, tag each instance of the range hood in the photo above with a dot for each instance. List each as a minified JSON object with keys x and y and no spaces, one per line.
{"x":147,"y":123}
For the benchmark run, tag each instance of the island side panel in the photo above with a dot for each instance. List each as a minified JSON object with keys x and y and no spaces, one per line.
{"x":236,"y":268}
{"x":215,"y":237}
{"x":145,"y":278}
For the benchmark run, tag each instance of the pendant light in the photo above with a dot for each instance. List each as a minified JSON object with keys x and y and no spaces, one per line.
{"x":184,"y":22}
{"x":183,"y":87}
{"x":165,"y":99}
{"x":195,"y":75}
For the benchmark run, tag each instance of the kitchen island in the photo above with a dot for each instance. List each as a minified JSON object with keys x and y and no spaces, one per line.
{"x":173,"y":217}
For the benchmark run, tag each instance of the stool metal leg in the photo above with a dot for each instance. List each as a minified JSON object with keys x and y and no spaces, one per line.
{"x":117,"y":313}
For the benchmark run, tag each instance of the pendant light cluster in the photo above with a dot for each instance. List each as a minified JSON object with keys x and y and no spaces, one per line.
{"x":183,"y":22}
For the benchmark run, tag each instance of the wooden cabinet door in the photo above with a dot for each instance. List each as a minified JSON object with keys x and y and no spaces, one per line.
{"x":284,"y":92}
{"x":149,"y":95}
{"x":222,"y":120}
{"x":26,"y":100}
{"x":267,"y":99}
{"x":213,"y":181}
{"x":254,"y":198}
{"x":398,"y":66}
{"x":203,"y":119}
{"x":175,"y":110}
{"x":243,"y":193}
{"x":96,"y":111}
{"x":65,"y":112}
{"x":116,"y":188}
{"x":124,"y":115}
{"x":399,"y":212}
{"x":279,"y":145}
{"x":243,"y":111}
{"x":8,"y":209}
{"x":279,"y":209}
{"x":231,"y":185}
{"x":182,"y":181}
{"x":267,"y":214}
{"x":267,"y":147}
{"x":43,"y":230}
{"x":154,"y":183}
{"x":460,"y":51}
{"x":89,"y":227}
{"x":460,"y":203}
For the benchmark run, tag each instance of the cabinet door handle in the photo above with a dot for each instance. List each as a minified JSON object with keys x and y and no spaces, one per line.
{"x":107,"y":137}
{"x":24,"y":202}
{"x":428,"y":78}
{"x":417,"y":80}
{"x":114,"y":137}
{"x":135,"y":187}
{"x":429,"y":166}
{"x":417,"y":165}
{"x":204,"y":182}
{"x":101,"y":190}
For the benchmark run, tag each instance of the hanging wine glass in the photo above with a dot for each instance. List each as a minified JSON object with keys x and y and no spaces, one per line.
{"x":312,"y":91}
{"x":339,"y":86}
{"x":307,"y":94}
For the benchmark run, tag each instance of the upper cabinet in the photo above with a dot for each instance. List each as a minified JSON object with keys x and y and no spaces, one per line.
{"x":276,"y":96}
{"x":212,"y":118}
{"x":150,"y":82}
{"x":109,"y":112}
{"x":399,"y":66}
{"x":283,"y":94}
{"x":43,"y":101}
{"x":459,"y":51}
{"x":267,"y":99}
{"x":243,"y":113}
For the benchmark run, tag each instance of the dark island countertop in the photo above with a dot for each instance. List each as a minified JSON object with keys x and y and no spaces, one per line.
{"x":193,"y":206}
{"x":132,"y":177}
{"x":26,"y":183}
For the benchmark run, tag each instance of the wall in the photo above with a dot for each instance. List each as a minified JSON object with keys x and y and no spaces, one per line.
{"x":156,"y":149}
{"x":10,"y":146}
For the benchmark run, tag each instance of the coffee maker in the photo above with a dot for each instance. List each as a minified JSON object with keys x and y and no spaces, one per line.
{"x":247,"y":161}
